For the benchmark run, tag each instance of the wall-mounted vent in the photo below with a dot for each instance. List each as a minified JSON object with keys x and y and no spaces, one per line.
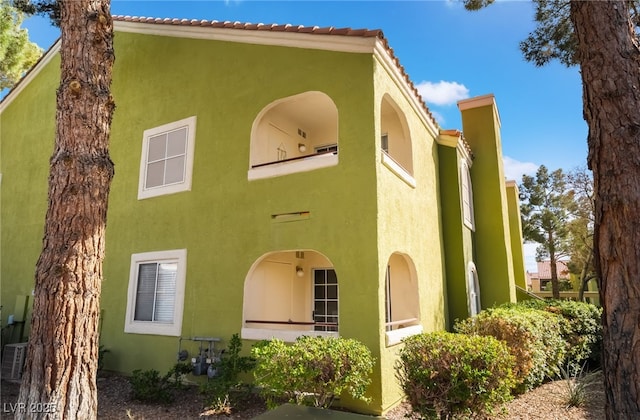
{"x":302,"y":133}
{"x":290,"y":217}
{"x":329,"y":148}
{"x":13,"y":358}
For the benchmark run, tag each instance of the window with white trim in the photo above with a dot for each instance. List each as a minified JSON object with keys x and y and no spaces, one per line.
{"x":325,"y":299}
{"x":167,"y":158}
{"x":156,"y":293}
{"x":473,"y":290}
{"x":467,"y":195}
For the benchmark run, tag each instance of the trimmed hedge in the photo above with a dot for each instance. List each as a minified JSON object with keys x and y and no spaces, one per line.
{"x":445,"y":374}
{"x":582,"y":329}
{"x":312,"y":370}
{"x":533,"y":337}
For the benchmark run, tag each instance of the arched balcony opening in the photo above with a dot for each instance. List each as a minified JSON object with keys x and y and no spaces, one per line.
{"x":402,"y":309}
{"x":395,"y":140}
{"x":288,"y":294}
{"x":294,"y":134}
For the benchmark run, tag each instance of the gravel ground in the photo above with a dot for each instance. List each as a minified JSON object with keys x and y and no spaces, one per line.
{"x":547,"y":402}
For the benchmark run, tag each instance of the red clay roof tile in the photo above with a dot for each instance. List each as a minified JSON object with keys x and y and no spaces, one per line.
{"x":330,"y":30}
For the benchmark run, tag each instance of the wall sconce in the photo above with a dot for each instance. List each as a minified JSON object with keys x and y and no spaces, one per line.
{"x":302,"y":147}
{"x":299,"y":271}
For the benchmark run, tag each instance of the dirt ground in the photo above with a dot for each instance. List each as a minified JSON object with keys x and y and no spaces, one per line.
{"x":547,"y":402}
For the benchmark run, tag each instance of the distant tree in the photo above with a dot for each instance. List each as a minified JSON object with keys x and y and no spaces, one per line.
{"x":17,"y":53}
{"x":580,"y":227}
{"x":62,"y":355}
{"x":603,"y":38}
{"x":545,"y":208}
{"x":49,"y":8}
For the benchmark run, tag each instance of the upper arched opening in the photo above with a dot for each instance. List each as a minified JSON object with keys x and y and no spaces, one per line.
{"x":395,"y":136}
{"x":294,"y":134}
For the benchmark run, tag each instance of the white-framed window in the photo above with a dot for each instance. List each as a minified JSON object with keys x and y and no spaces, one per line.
{"x":325,"y":299}
{"x":166,"y":162}
{"x":473,"y":290}
{"x":155,"y":297}
{"x":467,"y":195}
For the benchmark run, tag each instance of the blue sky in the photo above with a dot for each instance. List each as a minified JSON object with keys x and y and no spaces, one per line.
{"x":448,"y":52}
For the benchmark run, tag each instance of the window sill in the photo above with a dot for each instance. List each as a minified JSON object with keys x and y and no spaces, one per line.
{"x":284,"y":168}
{"x":471,"y":226}
{"x":396,"y":336}
{"x":288,"y":336}
{"x":398,"y":170}
{"x":152,"y":328}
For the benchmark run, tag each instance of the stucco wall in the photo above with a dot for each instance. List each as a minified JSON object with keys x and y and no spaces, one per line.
{"x":27,"y":132}
{"x":494,"y":259}
{"x":225,"y":222}
{"x":458,"y":243}
{"x":409,"y":222}
{"x":358,"y":213}
{"x":515,"y":224}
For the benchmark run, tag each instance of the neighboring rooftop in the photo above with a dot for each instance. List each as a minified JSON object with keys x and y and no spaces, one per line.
{"x":544,"y":270}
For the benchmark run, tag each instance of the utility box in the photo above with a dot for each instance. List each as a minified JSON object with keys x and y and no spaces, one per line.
{"x":13,"y":358}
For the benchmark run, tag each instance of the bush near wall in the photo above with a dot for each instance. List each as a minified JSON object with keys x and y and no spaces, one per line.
{"x":581,"y":329}
{"x":533,"y":337}
{"x":312,"y":370}
{"x":445,"y":374}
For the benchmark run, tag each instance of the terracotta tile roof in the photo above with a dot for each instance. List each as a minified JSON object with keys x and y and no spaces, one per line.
{"x":459,"y":134}
{"x":329,"y":30}
{"x":451,"y":132}
{"x":544,"y":270}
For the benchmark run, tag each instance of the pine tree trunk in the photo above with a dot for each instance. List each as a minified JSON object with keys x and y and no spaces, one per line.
{"x":553,"y":267}
{"x":584,"y":277}
{"x":609,"y":58}
{"x":60,"y":376}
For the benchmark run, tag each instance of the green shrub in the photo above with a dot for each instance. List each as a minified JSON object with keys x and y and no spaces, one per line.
{"x":149,"y":386}
{"x":532,"y":336}
{"x":232,"y":364}
{"x":102,"y":351}
{"x":582,"y":330}
{"x":225,"y":391}
{"x":445,"y":374}
{"x":312,"y":370}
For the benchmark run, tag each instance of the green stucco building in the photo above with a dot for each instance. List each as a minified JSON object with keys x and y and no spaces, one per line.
{"x":272,"y":182}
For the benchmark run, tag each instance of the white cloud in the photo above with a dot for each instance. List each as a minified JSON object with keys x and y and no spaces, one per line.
{"x":514,"y":169}
{"x":438,"y":117}
{"x":442,"y":93}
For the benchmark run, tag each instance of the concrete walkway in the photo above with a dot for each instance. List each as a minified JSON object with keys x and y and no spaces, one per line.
{"x":290,"y":411}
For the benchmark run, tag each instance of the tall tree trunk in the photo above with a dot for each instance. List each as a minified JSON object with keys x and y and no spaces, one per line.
{"x":609,"y":59}
{"x":553,"y":266}
{"x":555,"y":284}
{"x":584,"y":277}
{"x":62,"y":357}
